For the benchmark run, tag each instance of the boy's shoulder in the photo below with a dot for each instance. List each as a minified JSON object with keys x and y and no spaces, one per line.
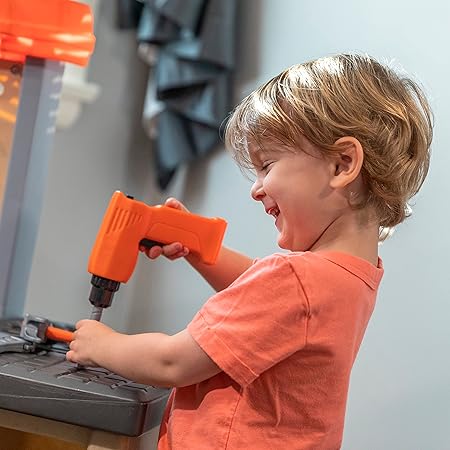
{"x":307,"y":264}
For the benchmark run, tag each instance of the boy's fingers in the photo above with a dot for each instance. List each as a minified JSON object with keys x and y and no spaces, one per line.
{"x":180,"y":254}
{"x":174,"y":203}
{"x":154,"y":252}
{"x":170,"y":250}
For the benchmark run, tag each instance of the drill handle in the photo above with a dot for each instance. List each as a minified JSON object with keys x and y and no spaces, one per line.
{"x":148,"y":243}
{"x":201,"y":235}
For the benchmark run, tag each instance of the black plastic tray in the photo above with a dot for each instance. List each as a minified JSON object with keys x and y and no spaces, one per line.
{"x":44,"y":384}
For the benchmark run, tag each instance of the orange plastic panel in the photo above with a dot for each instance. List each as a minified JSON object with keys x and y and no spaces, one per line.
{"x":50,"y":29}
{"x":127,"y":222}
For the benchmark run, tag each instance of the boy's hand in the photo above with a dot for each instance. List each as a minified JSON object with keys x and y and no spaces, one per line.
{"x":91,"y":338}
{"x":173,"y":250}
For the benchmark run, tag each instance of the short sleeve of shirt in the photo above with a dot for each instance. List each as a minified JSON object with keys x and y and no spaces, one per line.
{"x":256,"y":322}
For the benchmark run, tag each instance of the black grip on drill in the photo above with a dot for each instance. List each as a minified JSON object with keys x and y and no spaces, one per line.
{"x":148,"y":243}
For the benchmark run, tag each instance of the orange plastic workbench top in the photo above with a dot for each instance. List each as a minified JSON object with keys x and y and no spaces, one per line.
{"x":50,"y":29}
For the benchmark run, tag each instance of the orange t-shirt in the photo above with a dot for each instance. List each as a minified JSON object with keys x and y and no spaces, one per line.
{"x":285,"y":334}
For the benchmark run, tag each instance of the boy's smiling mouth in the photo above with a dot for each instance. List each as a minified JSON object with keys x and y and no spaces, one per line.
{"x":273,"y":211}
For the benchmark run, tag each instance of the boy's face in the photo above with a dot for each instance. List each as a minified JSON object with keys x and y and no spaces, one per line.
{"x":293,"y":185}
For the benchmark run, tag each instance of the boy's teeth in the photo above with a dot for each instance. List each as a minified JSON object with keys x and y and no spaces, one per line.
{"x":274,"y":212}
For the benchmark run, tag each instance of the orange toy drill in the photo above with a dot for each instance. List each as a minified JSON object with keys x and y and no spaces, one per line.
{"x":129,"y":224}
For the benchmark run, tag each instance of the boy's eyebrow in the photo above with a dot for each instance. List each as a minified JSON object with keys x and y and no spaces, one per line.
{"x":258,"y":150}
{"x":259,"y":154}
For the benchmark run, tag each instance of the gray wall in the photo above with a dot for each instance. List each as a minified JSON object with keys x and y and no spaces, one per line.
{"x":400,"y":394}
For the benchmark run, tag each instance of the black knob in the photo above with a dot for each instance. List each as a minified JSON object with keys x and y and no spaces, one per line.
{"x":102,"y":291}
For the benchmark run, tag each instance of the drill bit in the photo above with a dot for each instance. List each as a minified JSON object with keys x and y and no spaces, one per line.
{"x":96,"y":313}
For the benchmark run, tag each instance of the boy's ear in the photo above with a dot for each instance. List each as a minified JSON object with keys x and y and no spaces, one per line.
{"x":347,"y":162}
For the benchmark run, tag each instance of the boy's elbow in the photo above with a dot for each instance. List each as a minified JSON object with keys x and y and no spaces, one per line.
{"x":184,"y":374}
{"x":164,"y":376}
{"x":177,"y":374}
{"x":178,"y":377}
{"x":184,"y":362}
{"x":173,"y":373}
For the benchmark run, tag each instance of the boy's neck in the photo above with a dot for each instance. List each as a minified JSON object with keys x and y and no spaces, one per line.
{"x":353,"y":233}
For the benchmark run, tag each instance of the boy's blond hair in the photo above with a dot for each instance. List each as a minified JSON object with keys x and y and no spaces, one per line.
{"x":345,"y":95}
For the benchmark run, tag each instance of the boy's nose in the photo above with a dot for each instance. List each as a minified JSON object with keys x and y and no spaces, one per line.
{"x":257,"y":191}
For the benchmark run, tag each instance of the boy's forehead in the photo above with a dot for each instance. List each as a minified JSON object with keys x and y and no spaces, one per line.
{"x":258,"y":151}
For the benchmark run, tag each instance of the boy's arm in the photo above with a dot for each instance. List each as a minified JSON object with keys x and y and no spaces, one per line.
{"x":229,"y":266}
{"x":150,"y":358}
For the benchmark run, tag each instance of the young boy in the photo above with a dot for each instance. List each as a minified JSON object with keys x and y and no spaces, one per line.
{"x":338,"y":147}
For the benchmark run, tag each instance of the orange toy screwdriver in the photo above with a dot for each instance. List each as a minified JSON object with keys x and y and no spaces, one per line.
{"x":39,"y":330}
{"x":59,"y":334}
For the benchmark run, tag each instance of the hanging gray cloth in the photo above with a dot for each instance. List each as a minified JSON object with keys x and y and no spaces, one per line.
{"x":191,"y":80}
{"x":128,"y":13}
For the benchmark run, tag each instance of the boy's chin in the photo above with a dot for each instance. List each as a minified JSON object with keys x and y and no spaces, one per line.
{"x":286,"y":246}
{"x":292,"y":247}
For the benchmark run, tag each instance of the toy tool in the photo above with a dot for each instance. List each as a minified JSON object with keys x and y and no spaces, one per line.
{"x":129,"y":224}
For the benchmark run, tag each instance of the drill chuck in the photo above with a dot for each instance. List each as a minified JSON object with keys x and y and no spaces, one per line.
{"x":102,"y":291}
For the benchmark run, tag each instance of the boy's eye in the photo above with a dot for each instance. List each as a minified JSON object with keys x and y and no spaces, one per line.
{"x":266,"y":165}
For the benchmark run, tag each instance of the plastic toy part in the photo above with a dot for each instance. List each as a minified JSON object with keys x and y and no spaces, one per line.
{"x":129,"y":223}
{"x":38,"y":330}
{"x":60,"y":30}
